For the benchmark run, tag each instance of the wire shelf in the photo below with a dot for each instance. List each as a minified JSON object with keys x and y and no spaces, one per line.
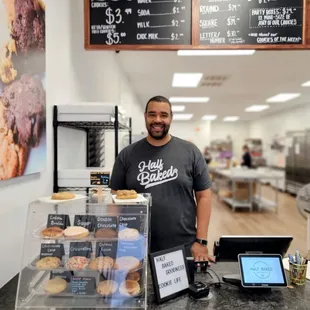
{"x":92,"y":125}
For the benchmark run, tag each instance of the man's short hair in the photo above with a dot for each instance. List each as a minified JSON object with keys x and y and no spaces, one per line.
{"x":158,"y":99}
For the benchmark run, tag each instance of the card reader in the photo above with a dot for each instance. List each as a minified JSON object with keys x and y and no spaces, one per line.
{"x":198,"y":290}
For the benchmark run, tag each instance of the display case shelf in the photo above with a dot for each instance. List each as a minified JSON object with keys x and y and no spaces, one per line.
{"x":93,"y":125}
{"x":80,"y":290}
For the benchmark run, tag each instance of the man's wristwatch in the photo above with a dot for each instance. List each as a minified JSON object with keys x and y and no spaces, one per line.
{"x":203,"y":242}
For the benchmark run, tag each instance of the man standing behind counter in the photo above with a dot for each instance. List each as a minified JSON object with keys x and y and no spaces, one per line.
{"x":174,"y":172}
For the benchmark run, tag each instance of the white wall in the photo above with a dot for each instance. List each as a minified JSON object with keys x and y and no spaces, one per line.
{"x":73,"y":75}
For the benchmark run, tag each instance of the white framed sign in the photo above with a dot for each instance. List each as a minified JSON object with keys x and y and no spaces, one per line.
{"x":170,"y":273}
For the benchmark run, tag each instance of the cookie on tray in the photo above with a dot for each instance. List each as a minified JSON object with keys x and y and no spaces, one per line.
{"x":128,"y":234}
{"x":130,"y":288}
{"x":51,"y":233}
{"x":101,"y":263}
{"x":76,"y":232}
{"x":126,"y":194}
{"x":127,"y":263}
{"x":105,"y":233}
{"x":134,"y":276}
{"x":49,"y":262}
{"x":77,"y":263}
{"x":107,"y":288}
{"x":62,"y":196}
{"x":55,"y":286}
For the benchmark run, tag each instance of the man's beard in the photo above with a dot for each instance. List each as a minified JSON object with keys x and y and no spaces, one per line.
{"x":160,"y":135}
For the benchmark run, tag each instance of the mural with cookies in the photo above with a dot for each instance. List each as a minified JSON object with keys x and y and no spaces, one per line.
{"x":22,"y":88}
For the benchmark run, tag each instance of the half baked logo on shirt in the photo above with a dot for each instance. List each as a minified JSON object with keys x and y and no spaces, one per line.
{"x":152,"y":173}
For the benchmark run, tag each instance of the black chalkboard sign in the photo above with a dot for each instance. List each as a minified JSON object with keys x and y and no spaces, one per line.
{"x":255,"y":22}
{"x":105,"y":248}
{"x":86,"y":221}
{"x":130,"y":221}
{"x":66,"y":275}
{"x":106,"y":222}
{"x":52,"y":249}
{"x":83,"y":285}
{"x":140,"y":22}
{"x":81,"y":249}
{"x":58,"y":220}
{"x":99,"y":178}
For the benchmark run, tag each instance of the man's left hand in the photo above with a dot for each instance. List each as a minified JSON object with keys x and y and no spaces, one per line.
{"x":201,"y":253}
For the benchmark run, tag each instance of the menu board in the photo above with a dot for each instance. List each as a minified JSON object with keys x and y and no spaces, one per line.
{"x":140,"y":22}
{"x":253,"y":22}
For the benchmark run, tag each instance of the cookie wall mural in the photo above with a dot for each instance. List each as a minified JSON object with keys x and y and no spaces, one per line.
{"x":22,"y":88}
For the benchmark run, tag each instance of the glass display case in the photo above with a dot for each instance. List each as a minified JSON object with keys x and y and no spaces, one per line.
{"x":85,"y":253}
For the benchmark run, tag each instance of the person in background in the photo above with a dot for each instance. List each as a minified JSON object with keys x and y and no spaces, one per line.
{"x":207,"y":155}
{"x":175,"y":173}
{"x":246,"y":158}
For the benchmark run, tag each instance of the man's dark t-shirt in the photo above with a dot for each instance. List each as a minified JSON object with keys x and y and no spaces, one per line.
{"x":247,"y":160}
{"x":171,"y":173}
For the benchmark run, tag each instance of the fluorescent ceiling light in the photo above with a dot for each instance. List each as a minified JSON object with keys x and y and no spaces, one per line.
{"x":178,"y":108}
{"x":215,"y":52}
{"x":257,"y":108}
{"x":306,"y":84}
{"x":182,"y":117}
{"x":209,"y":117}
{"x":283,"y":97}
{"x":189,"y":99}
{"x":186,"y":79}
{"x":230,"y":119}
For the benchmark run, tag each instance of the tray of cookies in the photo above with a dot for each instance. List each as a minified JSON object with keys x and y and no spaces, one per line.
{"x":128,"y":196}
{"x":61,"y":197}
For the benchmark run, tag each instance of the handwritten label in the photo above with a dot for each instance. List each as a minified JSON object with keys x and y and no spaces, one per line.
{"x":100,"y":178}
{"x":86,"y":221}
{"x":83,"y":285}
{"x":106,"y":222}
{"x":58,"y":220}
{"x":106,"y":249}
{"x":53,"y":250}
{"x":66,"y":275}
{"x":130,"y":222}
{"x":171,"y":273}
{"x":252,"y":22}
{"x":140,"y":22}
{"x":81,"y":249}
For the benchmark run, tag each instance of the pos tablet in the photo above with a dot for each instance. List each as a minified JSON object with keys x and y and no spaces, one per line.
{"x":262,"y":270}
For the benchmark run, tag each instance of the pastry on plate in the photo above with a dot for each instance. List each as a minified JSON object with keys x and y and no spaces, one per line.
{"x":129,"y":288}
{"x":55,"y":286}
{"x":126,"y":194}
{"x":77,"y":263}
{"x":107,"y":288}
{"x":49,"y":262}
{"x":101,"y":263}
{"x":127,"y":263}
{"x":62,"y":196}
{"x":52,"y":233}
{"x":128,"y":234}
{"x":105,"y":233}
{"x":76,"y":232}
{"x":134,"y":276}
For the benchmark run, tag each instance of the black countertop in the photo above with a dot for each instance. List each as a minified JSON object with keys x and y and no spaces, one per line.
{"x":229,"y":297}
{"x":223,"y":298}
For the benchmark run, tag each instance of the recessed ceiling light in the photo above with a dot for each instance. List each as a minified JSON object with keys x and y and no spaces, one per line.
{"x":178,"y":108}
{"x":230,"y":119}
{"x":186,"y":79}
{"x":189,"y":99}
{"x":182,"y":117}
{"x":257,"y":108}
{"x":215,"y":52}
{"x":209,"y":117}
{"x":283,"y":97}
{"x":306,"y":84}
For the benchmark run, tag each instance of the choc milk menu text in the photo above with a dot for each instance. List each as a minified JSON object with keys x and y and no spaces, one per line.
{"x":254,"y":22}
{"x":140,"y":22}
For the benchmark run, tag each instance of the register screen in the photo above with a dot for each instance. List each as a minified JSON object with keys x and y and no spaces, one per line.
{"x":265,"y":270}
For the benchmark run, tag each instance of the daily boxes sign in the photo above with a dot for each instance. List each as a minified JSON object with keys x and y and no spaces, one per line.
{"x":170,"y":273}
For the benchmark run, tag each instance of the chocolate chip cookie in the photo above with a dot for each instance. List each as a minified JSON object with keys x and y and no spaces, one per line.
{"x":24,"y":102}
{"x":13,"y":158}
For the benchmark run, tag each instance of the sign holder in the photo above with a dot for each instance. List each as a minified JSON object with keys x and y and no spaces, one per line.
{"x":161,"y":256}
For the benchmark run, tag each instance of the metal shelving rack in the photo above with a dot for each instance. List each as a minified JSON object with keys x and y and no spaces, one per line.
{"x":94,"y":142}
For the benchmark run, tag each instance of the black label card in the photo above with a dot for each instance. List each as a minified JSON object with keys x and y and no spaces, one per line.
{"x":81,"y":249}
{"x":99,"y":178}
{"x":86,"y":221}
{"x":58,"y":220}
{"x":106,"y":249}
{"x":66,"y":275}
{"x":106,"y":222}
{"x":130,"y":222}
{"x":83,"y":285}
{"x":52,"y":249}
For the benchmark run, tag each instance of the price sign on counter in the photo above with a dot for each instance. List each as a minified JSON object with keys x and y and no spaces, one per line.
{"x":140,"y":22}
{"x":170,"y":273}
{"x":238,"y":22}
{"x":100,"y":178}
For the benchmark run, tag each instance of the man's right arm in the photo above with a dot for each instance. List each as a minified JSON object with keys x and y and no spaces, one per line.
{"x":118,"y":177}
